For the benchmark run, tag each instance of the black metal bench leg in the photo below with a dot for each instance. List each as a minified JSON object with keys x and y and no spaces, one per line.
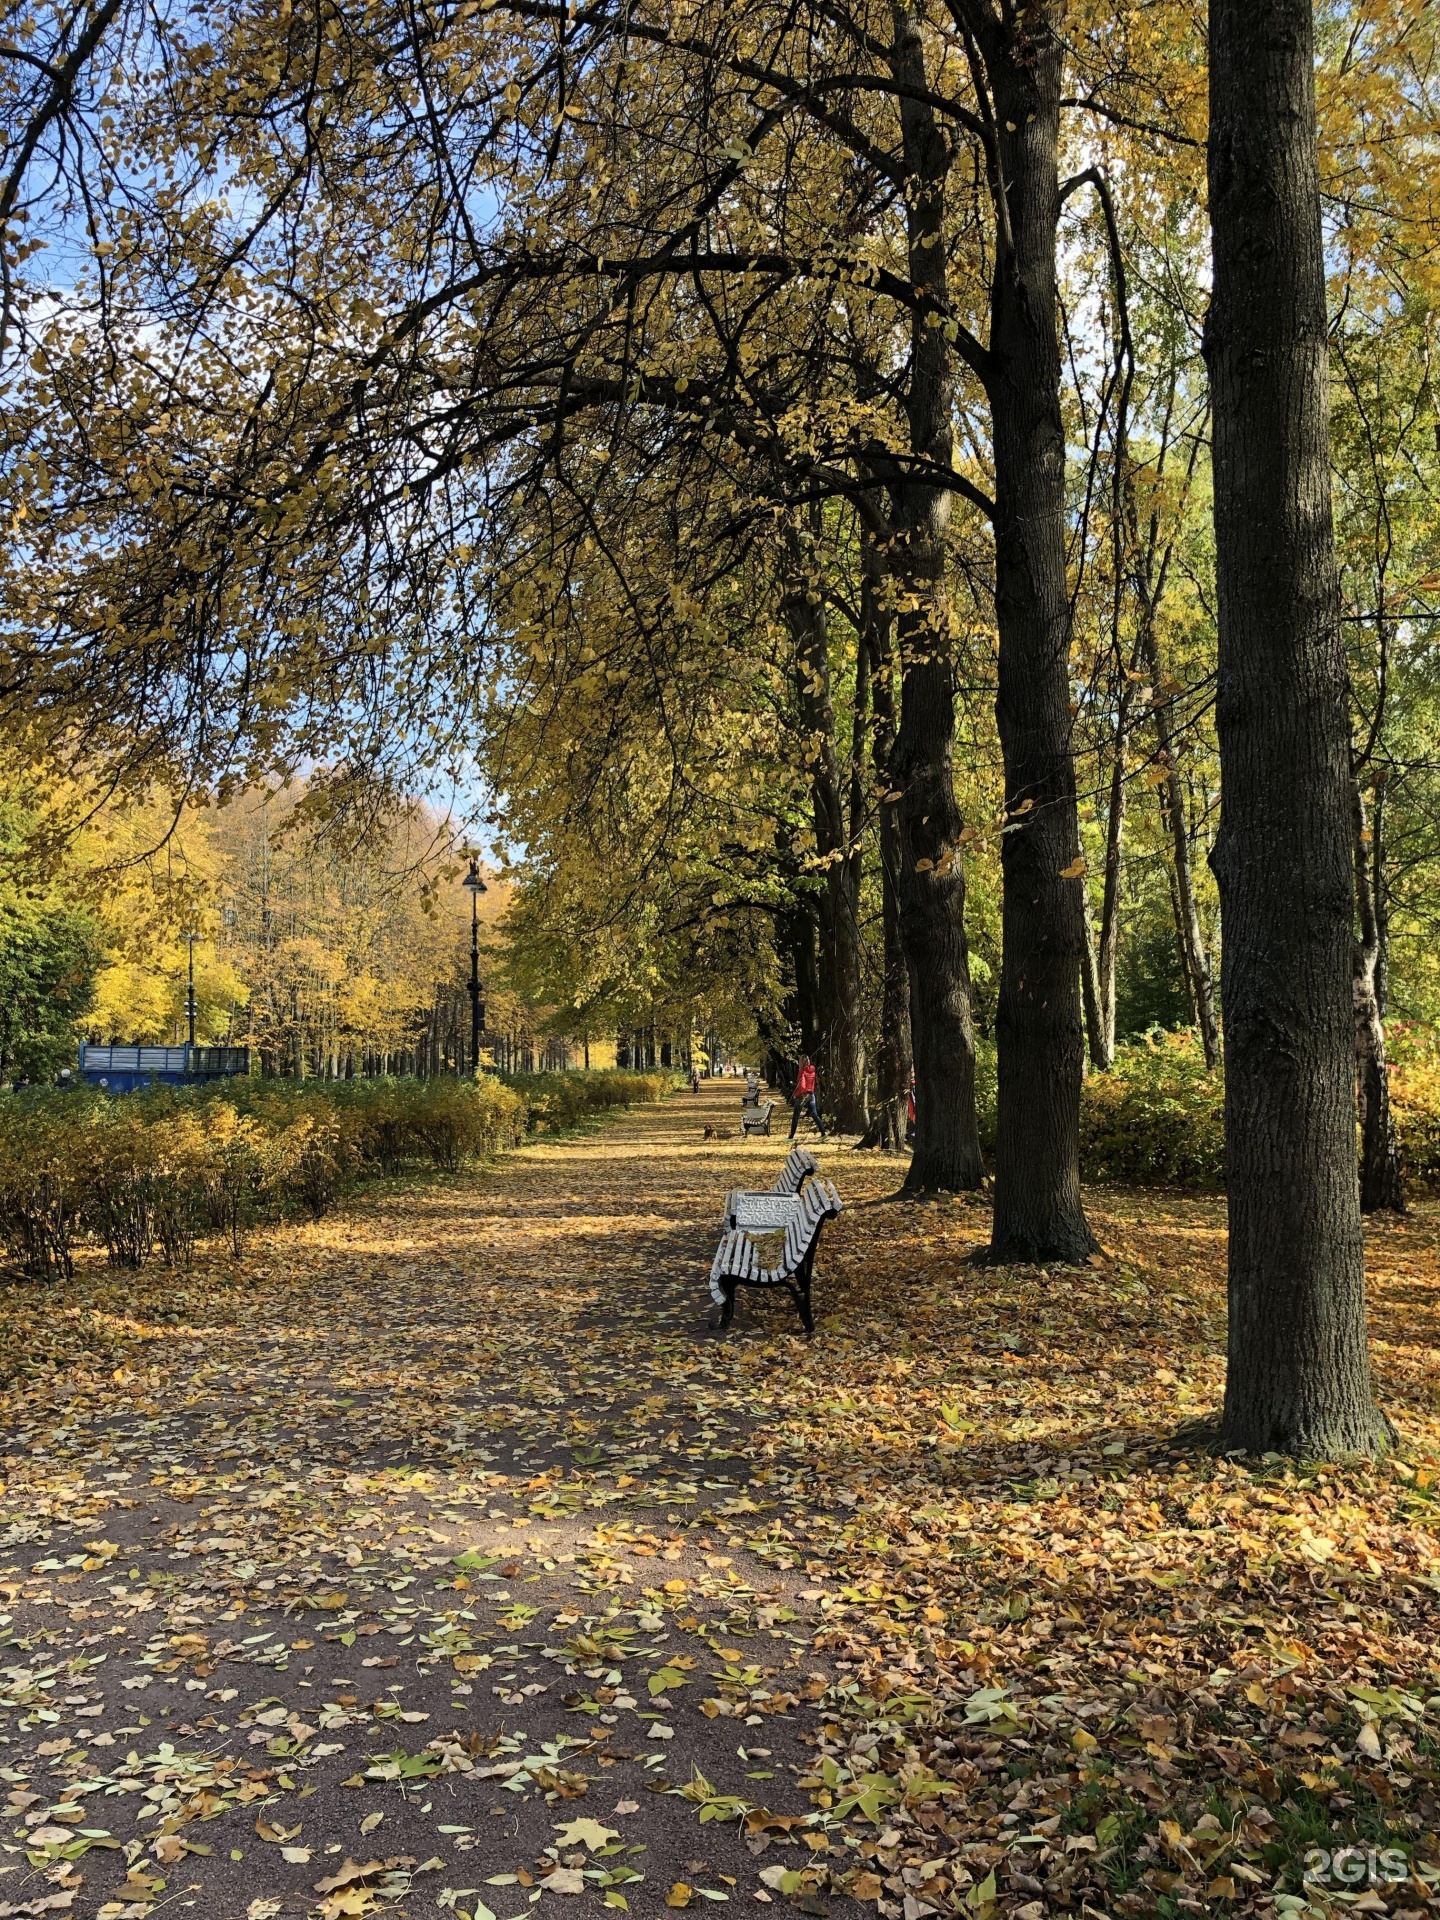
{"x":727,"y":1312}
{"x":801,"y":1290}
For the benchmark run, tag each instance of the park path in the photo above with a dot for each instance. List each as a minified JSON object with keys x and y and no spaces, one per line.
{"x":437,"y":1558}
{"x":251,"y":1524}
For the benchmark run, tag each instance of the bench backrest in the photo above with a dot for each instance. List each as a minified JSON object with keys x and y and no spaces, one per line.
{"x":799,"y":1165}
{"x":819,"y":1203}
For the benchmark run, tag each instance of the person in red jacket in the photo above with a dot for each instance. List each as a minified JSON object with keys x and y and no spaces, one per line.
{"x":805,"y":1101}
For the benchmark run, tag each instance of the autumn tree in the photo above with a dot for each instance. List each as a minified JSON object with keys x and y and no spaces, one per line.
{"x":1299,"y":1370}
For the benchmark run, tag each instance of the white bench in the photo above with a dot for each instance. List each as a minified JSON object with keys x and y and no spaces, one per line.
{"x":757,"y":1120}
{"x":768,"y":1210}
{"x":737,"y":1262}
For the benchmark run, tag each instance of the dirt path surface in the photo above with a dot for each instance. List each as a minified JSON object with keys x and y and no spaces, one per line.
{"x":438,"y":1558}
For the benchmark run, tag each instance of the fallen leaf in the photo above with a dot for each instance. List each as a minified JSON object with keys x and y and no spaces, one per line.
{"x":586,"y":1833}
{"x":349,"y":1874}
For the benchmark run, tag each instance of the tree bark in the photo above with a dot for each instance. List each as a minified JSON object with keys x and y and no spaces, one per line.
{"x":931,"y":880}
{"x":1090,"y":985}
{"x":1299,"y":1367}
{"x":841,"y":1059}
{"x":892,"y":1053}
{"x":1381,"y":1188}
{"x":1038,"y":1215}
{"x":795,"y":933}
{"x":1109,"y":948}
{"x":1380,"y":898}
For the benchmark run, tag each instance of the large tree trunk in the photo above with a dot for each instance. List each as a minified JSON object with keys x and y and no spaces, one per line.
{"x":1299,"y":1365}
{"x":1038,"y":1215}
{"x":1381,"y":1189}
{"x":841,"y":1060}
{"x":795,"y":933}
{"x":931,"y":876}
{"x":892,"y":1053}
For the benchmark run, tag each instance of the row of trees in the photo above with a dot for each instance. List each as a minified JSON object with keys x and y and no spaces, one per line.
{"x":330,"y":946}
{"x":771,"y":439}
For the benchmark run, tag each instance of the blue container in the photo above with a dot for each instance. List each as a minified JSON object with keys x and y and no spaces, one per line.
{"x":123,"y":1069}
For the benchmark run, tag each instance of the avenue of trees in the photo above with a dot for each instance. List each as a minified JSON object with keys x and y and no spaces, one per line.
{"x":919,"y":515}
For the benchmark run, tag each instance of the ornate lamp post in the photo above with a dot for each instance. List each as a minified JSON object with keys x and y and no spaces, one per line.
{"x":476,"y":887}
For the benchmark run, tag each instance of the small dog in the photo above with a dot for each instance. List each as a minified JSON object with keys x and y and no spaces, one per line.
{"x":717,"y":1133}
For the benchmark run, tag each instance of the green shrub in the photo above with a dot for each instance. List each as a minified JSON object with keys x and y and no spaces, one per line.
{"x":1415,"y":1101}
{"x":41,"y":1181}
{"x":159,"y":1165}
{"x":1157,"y":1119}
{"x":118,"y":1196}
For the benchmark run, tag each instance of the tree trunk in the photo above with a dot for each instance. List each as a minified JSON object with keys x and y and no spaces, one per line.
{"x":795,"y":930}
{"x":1381,"y":1189}
{"x":892,"y":1054}
{"x":1194,"y":958}
{"x":1299,"y":1365}
{"x":1177,"y":916}
{"x":1090,"y":985}
{"x":1380,"y":900}
{"x":1038,"y":1215}
{"x":841,"y":1059}
{"x":1109,"y":950}
{"x":931,"y":880}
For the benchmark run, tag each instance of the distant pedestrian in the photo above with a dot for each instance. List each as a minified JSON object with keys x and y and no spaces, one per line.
{"x":695,"y":1079}
{"x":910,"y":1114}
{"x":805,"y":1101}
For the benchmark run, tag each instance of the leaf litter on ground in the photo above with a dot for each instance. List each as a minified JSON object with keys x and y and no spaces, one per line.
{"x":931,"y":1612}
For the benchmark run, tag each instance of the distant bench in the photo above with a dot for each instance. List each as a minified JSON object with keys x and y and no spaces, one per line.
{"x":756,"y":1119}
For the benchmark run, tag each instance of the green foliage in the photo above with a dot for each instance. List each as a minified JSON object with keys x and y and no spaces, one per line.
{"x":42,"y":1171}
{"x":1150,"y":982}
{"x":1157,"y":1119}
{"x":1415,"y":1101}
{"x":49,"y":958}
{"x":161,"y":1166}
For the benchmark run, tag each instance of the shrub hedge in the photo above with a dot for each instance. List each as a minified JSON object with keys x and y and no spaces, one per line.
{"x":1158,"y":1119}
{"x":156,"y":1168}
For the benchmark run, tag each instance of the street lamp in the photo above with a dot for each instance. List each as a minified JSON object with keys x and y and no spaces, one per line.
{"x":190,"y":995}
{"x":476,"y":887}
